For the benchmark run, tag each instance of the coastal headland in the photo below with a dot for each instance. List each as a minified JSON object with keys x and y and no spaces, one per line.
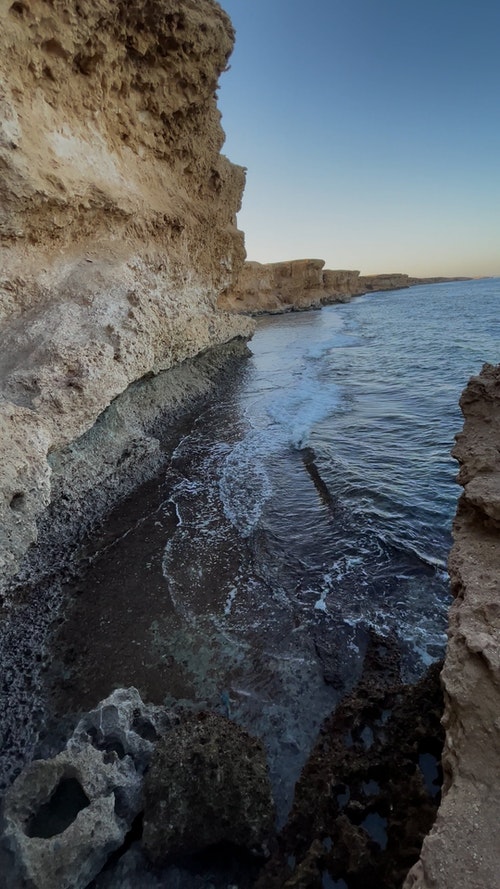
{"x":121,"y":259}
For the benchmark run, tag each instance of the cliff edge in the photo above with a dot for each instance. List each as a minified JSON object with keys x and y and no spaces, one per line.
{"x":463,"y":849}
{"x":117,"y":219}
{"x":299,"y":284}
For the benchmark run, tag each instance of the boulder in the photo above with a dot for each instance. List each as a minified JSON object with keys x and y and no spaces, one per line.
{"x":64,"y":816}
{"x":208,"y":784}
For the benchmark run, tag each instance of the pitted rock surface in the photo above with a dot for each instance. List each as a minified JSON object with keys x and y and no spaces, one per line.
{"x":64,"y":816}
{"x":117,"y":220}
{"x":463,"y":849}
{"x":208,"y":784}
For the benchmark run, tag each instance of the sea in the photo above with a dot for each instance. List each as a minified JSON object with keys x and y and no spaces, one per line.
{"x":307,"y":504}
{"x":328,"y":470}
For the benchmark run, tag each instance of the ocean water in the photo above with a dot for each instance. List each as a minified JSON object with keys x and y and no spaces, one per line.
{"x":310,"y":502}
{"x":329,"y":471}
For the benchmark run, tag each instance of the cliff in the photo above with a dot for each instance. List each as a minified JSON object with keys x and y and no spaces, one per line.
{"x":463,"y":849}
{"x":304,"y":284}
{"x":117,"y":219}
{"x":276,"y":287}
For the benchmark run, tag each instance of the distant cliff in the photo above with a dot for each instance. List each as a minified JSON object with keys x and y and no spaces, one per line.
{"x":463,"y":849}
{"x":117,"y":219}
{"x":304,"y":284}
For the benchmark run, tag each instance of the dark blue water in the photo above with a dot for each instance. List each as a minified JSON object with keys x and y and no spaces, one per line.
{"x":315,"y":502}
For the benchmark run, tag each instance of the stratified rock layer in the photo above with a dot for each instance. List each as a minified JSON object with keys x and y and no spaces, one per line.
{"x":463,"y":849}
{"x":117,"y":219}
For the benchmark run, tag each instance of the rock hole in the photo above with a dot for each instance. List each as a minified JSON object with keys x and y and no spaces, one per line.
{"x":54,"y":48}
{"x":18,"y":8}
{"x":113,"y":745}
{"x":17,"y":501}
{"x":56,"y":815}
{"x":430,"y":767}
{"x":370,"y":788}
{"x":343,"y":795}
{"x":145,"y":728}
{"x":327,"y":882}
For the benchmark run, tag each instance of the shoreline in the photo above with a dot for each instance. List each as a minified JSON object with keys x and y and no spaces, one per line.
{"x":92,"y":477}
{"x":214,"y":367}
{"x":303,"y":284}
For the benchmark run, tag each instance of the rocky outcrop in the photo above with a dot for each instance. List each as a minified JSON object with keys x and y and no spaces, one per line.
{"x":276,"y":287}
{"x":208,"y":784}
{"x":463,"y":849}
{"x":370,"y":283}
{"x":369,"y":790}
{"x":117,"y":219}
{"x":340,"y":284}
{"x":304,"y":284}
{"x":64,"y":816}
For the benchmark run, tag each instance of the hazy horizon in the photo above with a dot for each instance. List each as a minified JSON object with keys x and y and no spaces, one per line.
{"x":369,"y":132}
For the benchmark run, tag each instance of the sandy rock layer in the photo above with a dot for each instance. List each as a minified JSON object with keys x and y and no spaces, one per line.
{"x":463,"y":849}
{"x":117,"y":219}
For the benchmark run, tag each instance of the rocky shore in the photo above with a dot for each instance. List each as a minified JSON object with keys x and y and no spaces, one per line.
{"x":305,"y":284}
{"x":120,"y":259}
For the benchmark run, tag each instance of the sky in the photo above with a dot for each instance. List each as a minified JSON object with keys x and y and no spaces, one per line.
{"x":370,"y":130}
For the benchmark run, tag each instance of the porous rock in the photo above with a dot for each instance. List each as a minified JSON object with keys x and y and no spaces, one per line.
{"x":208,"y":783}
{"x":362,"y":804}
{"x":64,"y":816}
{"x":71,"y":858}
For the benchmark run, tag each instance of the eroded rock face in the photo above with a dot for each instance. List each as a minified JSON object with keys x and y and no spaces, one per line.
{"x":463,"y":849}
{"x":64,"y":816}
{"x":208,"y":783}
{"x":340,"y":284}
{"x":117,"y":219}
{"x":304,"y":284}
{"x":385,"y":282}
{"x":276,"y":287}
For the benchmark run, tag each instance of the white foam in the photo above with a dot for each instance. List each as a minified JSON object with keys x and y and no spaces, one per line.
{"x":244,"y":484}
{"x":229,"y":601}
{"x":297,"y":411}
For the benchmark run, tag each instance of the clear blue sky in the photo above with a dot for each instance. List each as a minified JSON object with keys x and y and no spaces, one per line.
{"x":370,"y":130}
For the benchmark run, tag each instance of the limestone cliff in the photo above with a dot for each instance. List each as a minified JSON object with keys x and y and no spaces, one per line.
{"x":394,"y":281}
{"x":117,"y":218}
{"x":304,"y":284}
{"x":276,"y":287}
{"x":463,"y":849}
